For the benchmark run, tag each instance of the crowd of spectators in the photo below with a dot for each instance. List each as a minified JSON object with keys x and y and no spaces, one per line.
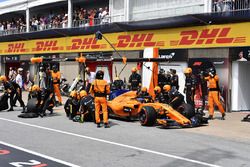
{"x":12,"y":26}
{"x":229,"y":5}
{"x":81,"y":18}
{"x":41,"y":22}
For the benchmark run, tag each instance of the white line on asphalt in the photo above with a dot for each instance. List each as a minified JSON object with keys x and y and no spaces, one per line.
{"x":38,"y":154}
{"x":114,"y":143}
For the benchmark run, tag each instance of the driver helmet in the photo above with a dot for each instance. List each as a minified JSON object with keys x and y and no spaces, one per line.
{"x":166,"y":88}
{"x":99,"y":74}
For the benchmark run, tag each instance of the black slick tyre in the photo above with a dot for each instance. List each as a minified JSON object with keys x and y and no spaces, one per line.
{"x":147,"y":116}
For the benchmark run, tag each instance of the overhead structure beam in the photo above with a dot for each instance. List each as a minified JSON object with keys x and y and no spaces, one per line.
{"x":41,"y":59}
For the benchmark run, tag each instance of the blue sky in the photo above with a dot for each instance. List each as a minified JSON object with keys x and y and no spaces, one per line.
{"x":3,"y":0}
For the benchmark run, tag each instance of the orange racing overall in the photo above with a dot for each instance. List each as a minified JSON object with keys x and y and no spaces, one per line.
{"x":214,"y":95}
{"x":100,"y":89}
{"x":56,"y":81}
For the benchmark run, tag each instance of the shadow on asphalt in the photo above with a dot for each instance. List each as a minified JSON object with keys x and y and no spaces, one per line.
{"x":124,"y":119}
{"x":178,"y":127}
{"x":111,"y":123}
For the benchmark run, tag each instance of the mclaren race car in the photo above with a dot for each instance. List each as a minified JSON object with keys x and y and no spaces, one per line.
{"x":151,"y":113}
{"x":127,"y":105}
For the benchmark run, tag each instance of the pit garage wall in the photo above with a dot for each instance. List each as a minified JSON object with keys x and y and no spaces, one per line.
{"x":179,"y":67}
{"x":69,"y":70}
{"x":240,"y":86}
{"x":119,"y":65}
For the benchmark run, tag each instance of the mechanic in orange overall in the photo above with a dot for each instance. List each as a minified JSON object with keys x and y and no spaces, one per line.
{"x":56,"y":76}
{"x":100,"y":89}
{"x":214,"y":94}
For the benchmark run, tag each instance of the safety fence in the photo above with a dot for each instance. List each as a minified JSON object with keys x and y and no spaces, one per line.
{"x":12,"y":31}
{"x":91,"y":22}
{"x":230,"y":5}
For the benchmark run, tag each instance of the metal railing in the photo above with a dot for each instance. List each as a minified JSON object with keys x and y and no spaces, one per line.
{"x":12,"y":31}
{"x":230,"y":5}
{"x":41,"y":27}
{"x":217,"y":6}
{"x":91,"y":22}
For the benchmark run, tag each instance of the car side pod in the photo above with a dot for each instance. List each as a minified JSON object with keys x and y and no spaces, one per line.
{"x":127,"y":109}
{"x":175,"y":115}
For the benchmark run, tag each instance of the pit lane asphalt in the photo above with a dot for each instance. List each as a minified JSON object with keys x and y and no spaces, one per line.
{"x":124,"y":144}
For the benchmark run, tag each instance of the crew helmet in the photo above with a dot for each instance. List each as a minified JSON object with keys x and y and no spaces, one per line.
{"x":157,"y":89}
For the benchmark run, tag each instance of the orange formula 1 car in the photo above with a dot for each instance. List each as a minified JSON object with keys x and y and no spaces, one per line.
{"x":128,"y":105}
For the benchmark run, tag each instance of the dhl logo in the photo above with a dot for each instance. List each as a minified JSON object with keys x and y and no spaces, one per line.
{"x":85,"y":43}
{"x":207,"y":36}
{"x":50,"y":45}
{"x":15,"y":48}
{"x":137,"y":40}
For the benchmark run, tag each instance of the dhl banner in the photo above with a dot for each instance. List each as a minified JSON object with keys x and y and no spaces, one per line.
{"x":226,"y":35}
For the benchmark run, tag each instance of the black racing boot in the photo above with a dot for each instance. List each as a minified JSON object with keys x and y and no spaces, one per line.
{"x":51,"y":110}
{"x":223,"y":116}
{"x":11,"y":109}
{"x":24,"y":109}
{"x":98,"y":125}
{"x":210,"y":117}
{"x":42,"y":114}
{"x":106,"y":125}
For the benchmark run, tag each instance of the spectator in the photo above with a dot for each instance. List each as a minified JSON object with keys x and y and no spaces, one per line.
{"x":100,"y":13}
{"x":223,"y":5}
{"x":104,"y":16}
{"x":76,"y":18}
{"x":91,"y":18}
{"x":241,"y":57}
{"x":65,"y":21}
{"x":96,"y":20}
{"x":51,"y":15}
{"x":8,"y":27}
{"x":34,"y":24}
{"x":1,"y":28}
{"x":42,"y":23}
